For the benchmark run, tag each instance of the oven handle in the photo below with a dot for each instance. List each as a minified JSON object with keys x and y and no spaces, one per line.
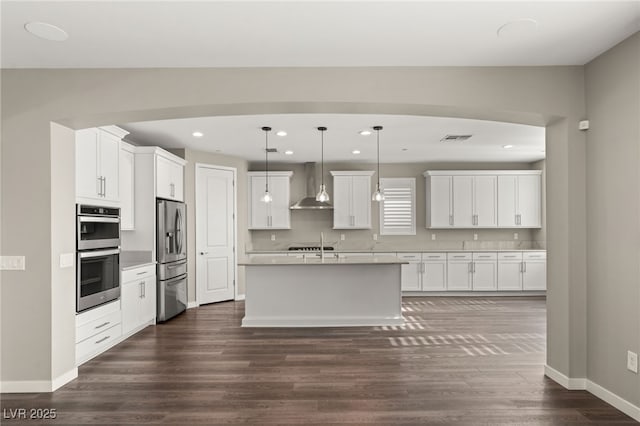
{"x":99,"y":219}
{"x":174,"y":281}
{"x":98,"y":253}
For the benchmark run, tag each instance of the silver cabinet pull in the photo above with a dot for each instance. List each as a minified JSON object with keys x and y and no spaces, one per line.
{"x":202,"y":253}
{"x":450,"y":220}
{"x":103,"y":339}
{"x":524,"y":265}
{"x":104,"y":190}
{"x":141,"y":273}
{"x":521,"y":267}
{"x":99,"y":185}
{"x":102,"y":325}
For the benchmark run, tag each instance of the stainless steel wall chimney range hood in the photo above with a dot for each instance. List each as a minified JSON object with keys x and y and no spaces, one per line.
{"x":309,"y":202}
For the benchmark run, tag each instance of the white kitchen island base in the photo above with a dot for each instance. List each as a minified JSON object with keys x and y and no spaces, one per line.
{"x":336,"y":293}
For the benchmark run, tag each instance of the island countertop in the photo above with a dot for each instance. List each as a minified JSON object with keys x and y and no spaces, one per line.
{"x":328,"y":260}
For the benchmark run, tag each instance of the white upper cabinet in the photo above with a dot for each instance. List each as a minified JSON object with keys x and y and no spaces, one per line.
{"x":483,"y":199}
{"x":127,"y":187}
{"x":273,"y":215}
{"x":169,"y":177}
{"x":97,"y":165}
{"x":519,"y":200}
{"x":352,"y":199}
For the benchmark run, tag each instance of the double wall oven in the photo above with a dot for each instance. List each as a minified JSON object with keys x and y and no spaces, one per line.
{"x":98,"y":256}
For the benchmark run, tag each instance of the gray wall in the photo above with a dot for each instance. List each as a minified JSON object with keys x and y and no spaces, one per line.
{"x":613,"y":217}
{"x":307,"y":224}
{"x":32,"y":99}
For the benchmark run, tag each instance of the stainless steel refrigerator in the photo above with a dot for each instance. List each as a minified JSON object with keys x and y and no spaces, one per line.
{"x":172,"y":259}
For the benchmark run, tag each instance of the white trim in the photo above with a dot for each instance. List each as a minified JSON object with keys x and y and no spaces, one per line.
{"x":38,"y":386}
{"x":239,"y":297}
{"x":261,"y":173}
{"x":480,"y":172}
{"x":191,"y":305}
{"x":611,"y":398}
{"x":352,"y":173}
{"x":321,"y":322}
{"x":564,"y":381}
{"x":64,"y":378}
{"x":235,"y":219}
{"x":595,"y":389}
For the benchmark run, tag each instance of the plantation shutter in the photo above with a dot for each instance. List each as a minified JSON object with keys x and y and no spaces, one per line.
{"x":398,"y":209}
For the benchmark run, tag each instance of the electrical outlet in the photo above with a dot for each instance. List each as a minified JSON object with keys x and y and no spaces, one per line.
{"x":433,"y":237}
{"x":515,"y":235}
{"x":632,"y":361}
{"x":342,"y":237}
{"x":12,"y":263}
{"x":475,"y":237}
{"x":375,"y":237}
{"x":273,"y":237}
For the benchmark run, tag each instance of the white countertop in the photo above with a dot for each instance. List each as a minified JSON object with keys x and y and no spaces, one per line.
{"x":417,"y":250}
{"x":328,"y":260}
{"x":133,"y":265}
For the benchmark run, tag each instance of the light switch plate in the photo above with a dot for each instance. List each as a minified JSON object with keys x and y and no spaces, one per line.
{"x":66,"y":260}
{"x":475,"y":237}
{"x":632,"y":361}
{"x":12,"y":263}
{"x":341,"y":237}
{"x":515,"y":236}
{"x":375,"y":237}
{"x":273,"y":237}
{"x":433,"y":237}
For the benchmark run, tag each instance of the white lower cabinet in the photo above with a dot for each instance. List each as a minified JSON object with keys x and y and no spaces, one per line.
{"x":534,"y":270}
{"x":411,"y":278}
{"x":434,"y":272}
{"x":97,"y":330}
{"x":510,"y":271}
{"x":459,"y":271}
{"x":484,"y":272}
{"x":138,"y":298}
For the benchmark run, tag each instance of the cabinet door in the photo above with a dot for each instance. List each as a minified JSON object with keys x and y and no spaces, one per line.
{"x":485,"y":275}
{"x":434,"y":277}
{"x":164,"y":175}
{"x":126,"y":190}
{"x":342,"y":218}
{"x":148,"y":307}
{"x":463,"y":202}
{"x":485,"y":200}
{"x":177,"y":180}
{"x":361,"y":201}
{"x":109,"y":154}
{"x":88,"y":184}
{"x":529,"y":201}
{"x":439,"y":190}
{"x":534,"y":276}
{"x":509,"y":274}
{"x":130,"y":298}
{"x":458,"y":275}
{"x":279,"y":208}
{"x":411,"y":275}
{"x":258,"y":210}
{"x":507,"y":201}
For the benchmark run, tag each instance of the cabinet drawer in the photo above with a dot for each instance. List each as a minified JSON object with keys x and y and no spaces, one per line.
{"x":459,"y":256}
{"x":434,"y":256}
{"x":95,"y":344}
{"x":485,"y":256}
{"x":137,"y":273}
{"x":510,"y":255}
{"x":534,"y":255}
{"x":97,"y":326}
{"x":410,"y":256}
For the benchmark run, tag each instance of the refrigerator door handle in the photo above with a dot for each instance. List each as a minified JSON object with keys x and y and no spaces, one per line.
{"x":178,"y":238}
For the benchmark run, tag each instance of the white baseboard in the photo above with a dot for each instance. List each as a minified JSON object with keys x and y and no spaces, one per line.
{"x":63,"y":379}
{"x":595,"y":389}
{"x":240,"y":297}
{"x":564,"y":381}
{"x":38,"y":386}
{"x":609,"y":397}
{"x":193,"y":304}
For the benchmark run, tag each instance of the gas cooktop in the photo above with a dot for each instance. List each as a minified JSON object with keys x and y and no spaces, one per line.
{"x":309,"y":248}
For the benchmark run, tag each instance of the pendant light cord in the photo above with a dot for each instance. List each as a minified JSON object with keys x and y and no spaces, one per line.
{"x":266,"y":156}
{"x":378,"y":143}
{"x":322,"y":157}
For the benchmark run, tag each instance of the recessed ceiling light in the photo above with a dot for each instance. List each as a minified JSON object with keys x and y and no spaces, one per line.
{"x":364,"y":132}
{"x":355,"y":152}
{"x":197,"y":134}
{"x":288,"y":152}
{"x":281,"y":133}
{"x":507,"y":146}
{"x":46,"y":31}
{"x":518,"y":28}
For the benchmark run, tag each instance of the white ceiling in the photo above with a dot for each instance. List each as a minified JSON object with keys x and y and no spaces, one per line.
{"x":404,"y":139}
{"x":312,"y":33}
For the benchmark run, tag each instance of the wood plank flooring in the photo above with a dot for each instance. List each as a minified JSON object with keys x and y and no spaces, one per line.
{"x":456,"y":361}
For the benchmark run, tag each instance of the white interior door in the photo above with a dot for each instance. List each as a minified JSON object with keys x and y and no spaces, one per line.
{"x":215,"y":234}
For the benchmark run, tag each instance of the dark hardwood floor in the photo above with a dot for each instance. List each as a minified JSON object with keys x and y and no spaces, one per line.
{"x":456,"y":361}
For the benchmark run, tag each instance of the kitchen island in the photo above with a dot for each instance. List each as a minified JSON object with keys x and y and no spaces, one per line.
{"x":331,"y":292}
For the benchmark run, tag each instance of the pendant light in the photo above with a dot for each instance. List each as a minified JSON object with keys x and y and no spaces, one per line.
{"x":266,"y":198}
{"x":322,"y":194}
{"x":377,"y":195}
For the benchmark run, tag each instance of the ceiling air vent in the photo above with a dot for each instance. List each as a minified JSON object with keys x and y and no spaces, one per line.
{"x":455,"y":138}
{"x":272,"y":150}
